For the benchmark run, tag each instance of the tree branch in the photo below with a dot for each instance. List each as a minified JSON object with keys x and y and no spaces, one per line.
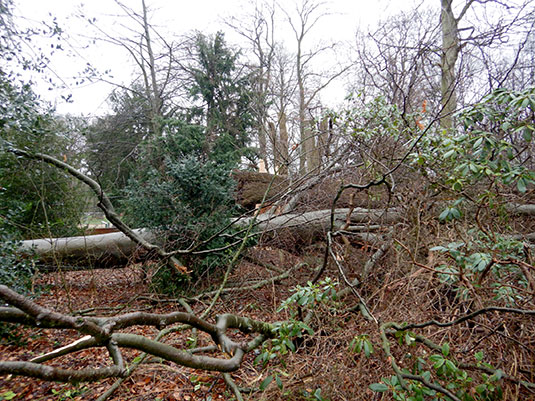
{"x":104,"y":204}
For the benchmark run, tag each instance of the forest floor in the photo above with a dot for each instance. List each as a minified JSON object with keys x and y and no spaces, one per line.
{"x":324,"y":367}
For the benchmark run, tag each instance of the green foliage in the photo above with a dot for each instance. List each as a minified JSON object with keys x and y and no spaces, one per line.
{"x":310,"y":295}
{"x":112,"y":141}
{"x":8,"y":395}
{"x":379,"y":129}
{"x":186,"y":200}
{"x":314,"y":396}
{"x":452,"y":212}
{"x":226,"y":96}
{"x":191,"y":200}
{"x":487,"y":149}
{"x":16,"y":273}
{"x":374,"y":119}
{"x":306,"y":297}
{"x":35,"y":199}
{"x":69,"y":393}
{"x":442,"y":370}
{"x":361,"y":343}
{"x":164,"y":280}
{"x":496,"y":258}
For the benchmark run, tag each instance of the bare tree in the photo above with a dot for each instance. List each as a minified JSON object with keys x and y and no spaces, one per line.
{"x":398,"y":60}
{"x":478,"y":32}
{"x":158,"y":77}
{"x":302,"y":21}
{"x":260,"y":36}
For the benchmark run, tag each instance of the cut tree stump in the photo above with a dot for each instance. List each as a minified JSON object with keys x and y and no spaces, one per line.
{"x":252,"y":185}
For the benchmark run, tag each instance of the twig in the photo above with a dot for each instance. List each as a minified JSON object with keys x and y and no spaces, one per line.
{"x":366,"y":312}
{"x":230,"y":384}
{"x":255,"y":286}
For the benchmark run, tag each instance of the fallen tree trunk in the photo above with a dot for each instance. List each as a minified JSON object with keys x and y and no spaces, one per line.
{"x":103,"y":250}
{"x":252,"y":185}
{"x":106,"y":206}
{"x":319,"y":221}
{"x":310,"y":226}
{"x":115,"y":249}
{"x":517,"y":208}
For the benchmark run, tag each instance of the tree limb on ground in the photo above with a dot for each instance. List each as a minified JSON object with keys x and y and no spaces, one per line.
{"x":101,"y":332}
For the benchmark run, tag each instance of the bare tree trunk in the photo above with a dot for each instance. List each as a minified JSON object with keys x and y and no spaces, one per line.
{"x":323,"y":139}
{"x":262,"y":143}
{"x":155,"y":98}
{"x":450,"y":52}
{"x":313,"y":156}
{"x":114,"y":247}
{"x":282,"y":147}
{"x":272,"y":131}
{"x":303,"y":150}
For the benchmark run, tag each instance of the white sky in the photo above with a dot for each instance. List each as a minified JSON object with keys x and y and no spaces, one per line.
{"x":171,"y":17}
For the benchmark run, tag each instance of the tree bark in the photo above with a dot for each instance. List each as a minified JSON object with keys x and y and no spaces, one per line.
{"x":309,"y":227}
{"x":516,"y":208}
{"x":115,"y":249}
{"x":103,"y":250}
{"x":282,"y":148}
{"x":251,"y":187}
{"x":101,"y":332}
{"x":450,"y":51}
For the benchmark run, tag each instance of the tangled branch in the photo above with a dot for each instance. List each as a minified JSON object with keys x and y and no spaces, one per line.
{"x":101,"y":332}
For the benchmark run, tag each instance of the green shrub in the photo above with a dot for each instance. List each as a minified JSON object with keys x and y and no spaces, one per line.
{"x":16,"y":273}
{"x":187,"y":201}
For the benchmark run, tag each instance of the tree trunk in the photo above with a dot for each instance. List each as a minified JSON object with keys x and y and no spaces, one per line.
{"x":155,"y":98}
{"x":450,"y":53}
{"x":282,"y":147}
{"x":273,"y":137}
{"x":310,"y":226}
{"x":116,"y":249}
{"x":516,"y":208}
{"x":103,"y":250}
{"x":253,"y":185}
{"x":313,"y":155}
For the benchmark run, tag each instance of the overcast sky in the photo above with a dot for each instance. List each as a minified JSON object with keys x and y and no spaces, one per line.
{"x":172,"y":17}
